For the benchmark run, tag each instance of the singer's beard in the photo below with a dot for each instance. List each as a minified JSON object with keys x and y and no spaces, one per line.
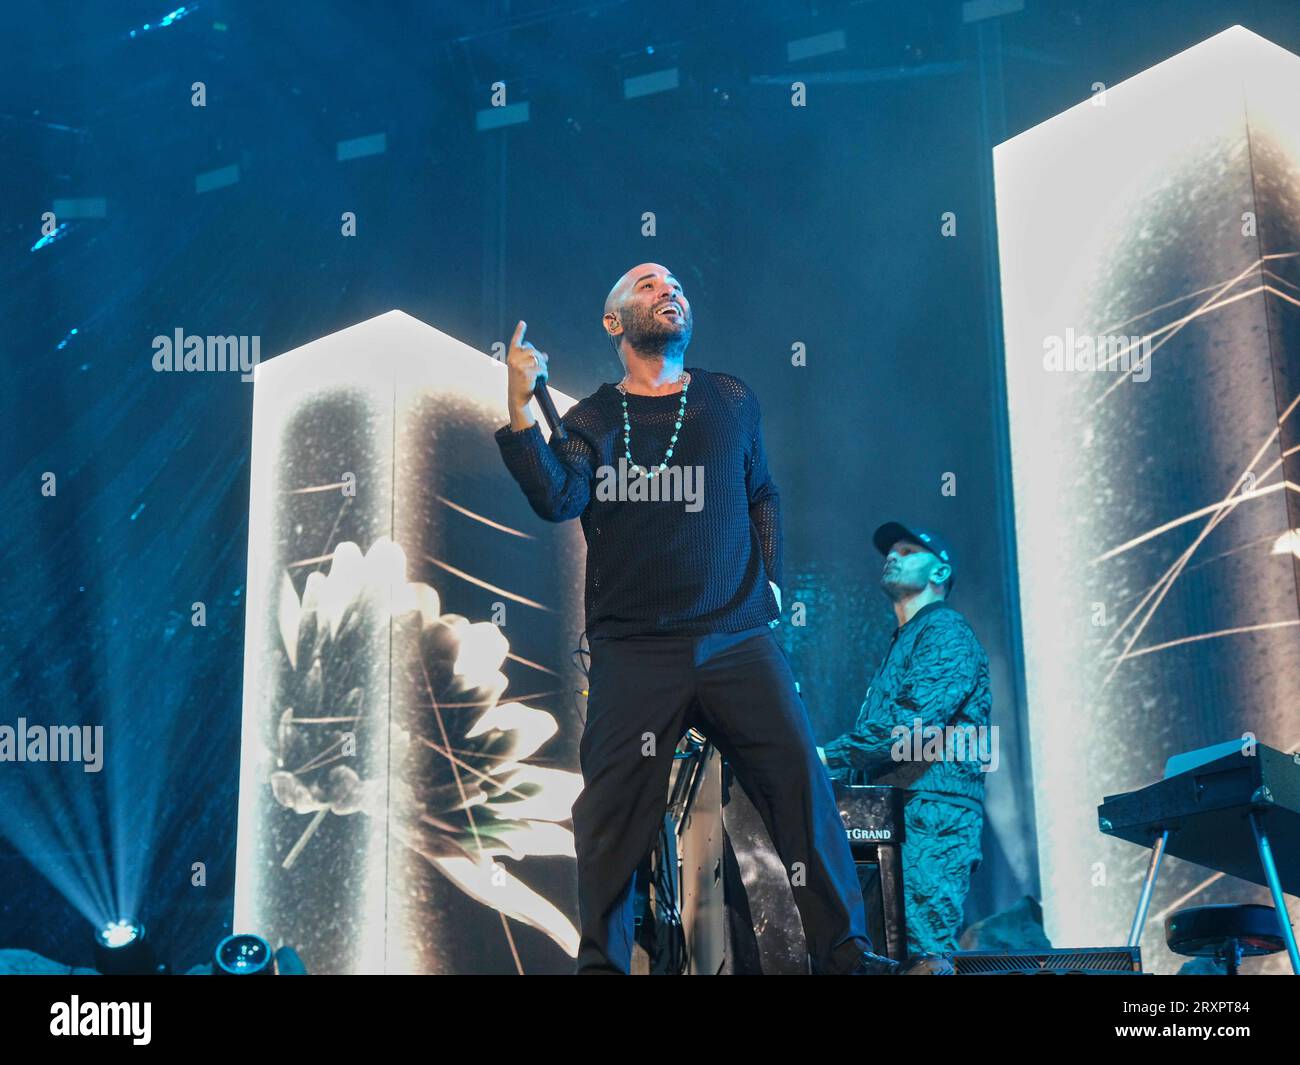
{"x":649,"y":336}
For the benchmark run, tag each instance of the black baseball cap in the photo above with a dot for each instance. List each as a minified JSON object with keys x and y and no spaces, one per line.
{"x":892,"y":531}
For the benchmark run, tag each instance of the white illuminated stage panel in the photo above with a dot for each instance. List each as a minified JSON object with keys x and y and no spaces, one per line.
{"x":1148,"y":241}
{"x":410,"y":734}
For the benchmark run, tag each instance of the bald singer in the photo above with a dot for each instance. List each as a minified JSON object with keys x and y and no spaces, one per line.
{"x":680,"y":601}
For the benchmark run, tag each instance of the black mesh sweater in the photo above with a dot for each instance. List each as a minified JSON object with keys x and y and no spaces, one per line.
{"x":654,"y":567}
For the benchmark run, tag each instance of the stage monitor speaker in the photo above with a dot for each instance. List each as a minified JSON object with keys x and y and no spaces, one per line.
{"x":1073,"y":961}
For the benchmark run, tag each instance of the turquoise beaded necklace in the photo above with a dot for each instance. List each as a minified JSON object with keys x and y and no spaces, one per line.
{"x":685,"y":380}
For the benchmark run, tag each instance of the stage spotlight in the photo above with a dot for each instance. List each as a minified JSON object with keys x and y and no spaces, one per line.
{"x":121,"y":933}
{"x":243,"y":955}
{"x":121,"y":949}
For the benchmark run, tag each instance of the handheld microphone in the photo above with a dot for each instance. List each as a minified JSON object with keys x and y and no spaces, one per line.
{"x":543,"y":396}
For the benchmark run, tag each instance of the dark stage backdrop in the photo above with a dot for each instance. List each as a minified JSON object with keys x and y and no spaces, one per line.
{"x":814,"y":229}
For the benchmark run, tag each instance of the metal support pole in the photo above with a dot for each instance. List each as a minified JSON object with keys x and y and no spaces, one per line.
{"x":1275,"y":888}
{"x":1148,"y":885}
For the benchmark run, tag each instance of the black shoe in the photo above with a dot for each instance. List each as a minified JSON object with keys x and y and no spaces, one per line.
{"x":874,"y":965}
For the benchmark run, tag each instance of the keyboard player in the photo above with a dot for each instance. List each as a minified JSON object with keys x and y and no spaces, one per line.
{"x":930,"y":696}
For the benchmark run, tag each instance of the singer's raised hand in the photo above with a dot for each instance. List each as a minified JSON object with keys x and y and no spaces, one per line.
{"x":525,"y":364}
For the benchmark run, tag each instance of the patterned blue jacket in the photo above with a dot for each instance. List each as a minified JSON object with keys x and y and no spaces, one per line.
{"x":923,"y":725}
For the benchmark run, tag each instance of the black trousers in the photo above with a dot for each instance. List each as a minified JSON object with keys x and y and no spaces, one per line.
{"x":736,"y":688}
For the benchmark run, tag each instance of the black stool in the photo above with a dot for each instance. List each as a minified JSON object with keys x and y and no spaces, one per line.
{"x":1225,"y":932}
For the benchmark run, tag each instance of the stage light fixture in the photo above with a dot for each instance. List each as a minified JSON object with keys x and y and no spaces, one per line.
{"x":244,"y":954}
{"x":122,"y":949}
